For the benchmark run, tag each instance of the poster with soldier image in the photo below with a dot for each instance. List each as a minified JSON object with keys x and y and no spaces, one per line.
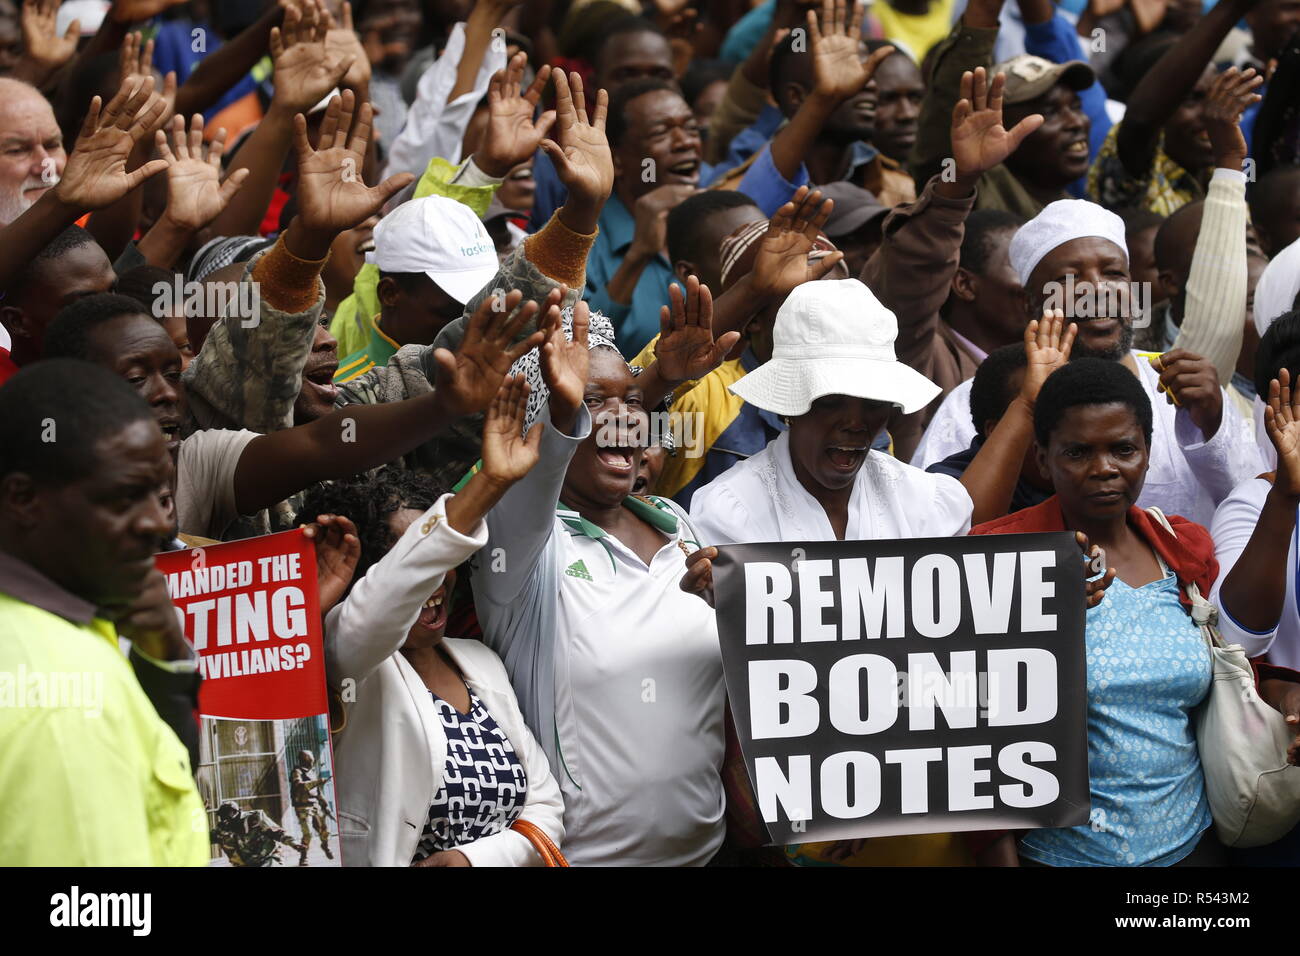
{"x":266,"y":770}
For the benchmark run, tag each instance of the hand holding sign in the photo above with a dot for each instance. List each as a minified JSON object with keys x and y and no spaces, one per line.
{"x":338,"y":549}
{"x":1094,"y":563}
{"x":698,"y":579}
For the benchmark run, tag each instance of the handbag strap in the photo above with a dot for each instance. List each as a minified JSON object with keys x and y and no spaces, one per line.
{"x":1204,"y":614}
{"x":544,"y":845}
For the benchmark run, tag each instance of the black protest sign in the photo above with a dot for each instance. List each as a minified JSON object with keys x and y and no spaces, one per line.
{"x":923,"y":685}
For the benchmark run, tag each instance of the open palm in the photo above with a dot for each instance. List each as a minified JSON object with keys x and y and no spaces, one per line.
{"x":195,"y":193}
{"x":582,"y":158}
{"x":979,"y":140}
{"x":509,"y":454}
{"x":782,"y":261}
{"x":468,"y":379}
{"x":686,"y":349}
{"x":332,"y":195}
{"x":306,"y":68}
{"x":1282,"y":420}
{"x":95,"y":174}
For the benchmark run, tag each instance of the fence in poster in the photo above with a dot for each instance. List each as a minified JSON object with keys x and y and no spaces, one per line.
{"x":251,"y":610}
{"x":923,"y":685}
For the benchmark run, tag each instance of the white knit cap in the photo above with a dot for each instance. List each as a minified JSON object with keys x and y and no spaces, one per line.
{"x":833,"y":337}
{"x":1278,"y":286}
{"x":1059,"y":223}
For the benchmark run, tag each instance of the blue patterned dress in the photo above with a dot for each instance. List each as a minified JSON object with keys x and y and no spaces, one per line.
{"x":483,"y":783}
{"x":1148,"y":668}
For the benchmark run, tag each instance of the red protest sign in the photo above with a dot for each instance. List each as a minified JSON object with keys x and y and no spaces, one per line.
{"x":251,"y":610}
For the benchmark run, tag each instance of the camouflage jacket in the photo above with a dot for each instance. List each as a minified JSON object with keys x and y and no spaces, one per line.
{"x":411,"y":372}
{"x":301,"y":784}
{"x":250,"y":377}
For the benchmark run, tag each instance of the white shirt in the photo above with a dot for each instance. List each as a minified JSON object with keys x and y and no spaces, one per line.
{"x":1233,"y":525}
{"x":617,"y":671}
{"x":1187,"y":475}
{"x":761,"y":499}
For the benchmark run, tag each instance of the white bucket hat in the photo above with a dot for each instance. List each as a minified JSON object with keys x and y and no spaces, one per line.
{"x":834,"y":338}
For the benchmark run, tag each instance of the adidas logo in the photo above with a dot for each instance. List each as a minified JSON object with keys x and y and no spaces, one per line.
{"x":579,"y":570}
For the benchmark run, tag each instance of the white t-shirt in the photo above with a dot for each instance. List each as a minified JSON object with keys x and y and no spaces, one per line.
{"x":1187,"y":475}
{"x":205,"y":480}
{"x":761,"y":499}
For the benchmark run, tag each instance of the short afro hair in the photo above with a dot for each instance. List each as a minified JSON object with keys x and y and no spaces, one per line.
{"x":616,"y":119}
{"x":1089,"y":381}
{"x":53,"y":415}
{"x":684,"y":234}
{"x":370,"y":500}
{"x":977,"y":245}
{"x":990,"y":391}
{"x":74,"y":237}
{"x":69,"y":334}
{"x":1279,"y":348}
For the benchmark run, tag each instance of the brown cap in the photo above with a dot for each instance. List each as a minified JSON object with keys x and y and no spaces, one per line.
{"x":1029,"y":77}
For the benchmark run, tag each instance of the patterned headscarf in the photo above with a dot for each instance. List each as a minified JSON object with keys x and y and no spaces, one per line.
{"x":600,"y":335}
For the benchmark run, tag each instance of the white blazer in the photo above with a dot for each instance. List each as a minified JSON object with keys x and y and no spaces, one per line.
{"x":391,"y":751}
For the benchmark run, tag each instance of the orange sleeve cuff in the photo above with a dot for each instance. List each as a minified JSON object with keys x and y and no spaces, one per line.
{"x":560,"y":253}
{"x":288,"y":283}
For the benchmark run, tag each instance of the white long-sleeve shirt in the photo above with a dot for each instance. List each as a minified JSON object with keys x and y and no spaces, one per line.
{"x":617,"y":670}
{"x":435,"y":127}
{"x":1233,"y":525}
{"x":1187,"y":475}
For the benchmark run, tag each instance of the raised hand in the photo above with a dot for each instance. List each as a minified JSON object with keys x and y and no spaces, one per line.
{"x":342,"y":41}
{"x":1282,"y":421}
{"x":838,"y":70}
{"x":782,"y":261}
{"x":305,"y":68}
{"x":509,"y":454}
{"x":1191,"y":382}
{"x":338,"y":549}
{"x":1229,"y":95}
{"x":686,"y":350}
{"x":564,"y":363}
{"x":95,"y":175}
{"x":1095,"y":561}
{"x":195,"y":193}
{"x":1047,"y":348}
{"x":468,"y":380}
{"x":42,"y":46}
{"x":979,"y":140}
{"x":511,"y":136}
{"x":135,"y":65}
{"x":581,"y":156}
{"x":332,"y":196}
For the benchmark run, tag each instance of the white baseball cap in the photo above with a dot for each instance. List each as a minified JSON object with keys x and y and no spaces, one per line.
{"x":441,"y":238}
{"x":834,"y":337}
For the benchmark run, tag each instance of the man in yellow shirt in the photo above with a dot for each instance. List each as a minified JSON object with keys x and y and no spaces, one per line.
{"x":90,"y":773}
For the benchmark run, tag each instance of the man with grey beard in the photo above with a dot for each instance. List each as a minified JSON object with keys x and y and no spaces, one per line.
{"x":1200,"y":447}
{"x":31,"y":148}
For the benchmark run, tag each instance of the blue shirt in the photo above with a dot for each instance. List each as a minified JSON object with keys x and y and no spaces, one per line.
{"x":1148,"y":667}
{"x":174,"y":50}
{"x":764,"y":183}
{"x":748,"y":142}
{"x":637,"y":322}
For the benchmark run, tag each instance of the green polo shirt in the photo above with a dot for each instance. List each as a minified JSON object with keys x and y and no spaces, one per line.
{"x":379,"y":348}
{"x":90,"y":775}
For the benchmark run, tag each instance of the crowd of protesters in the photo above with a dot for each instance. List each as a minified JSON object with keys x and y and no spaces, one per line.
{"x":427,"y":278}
